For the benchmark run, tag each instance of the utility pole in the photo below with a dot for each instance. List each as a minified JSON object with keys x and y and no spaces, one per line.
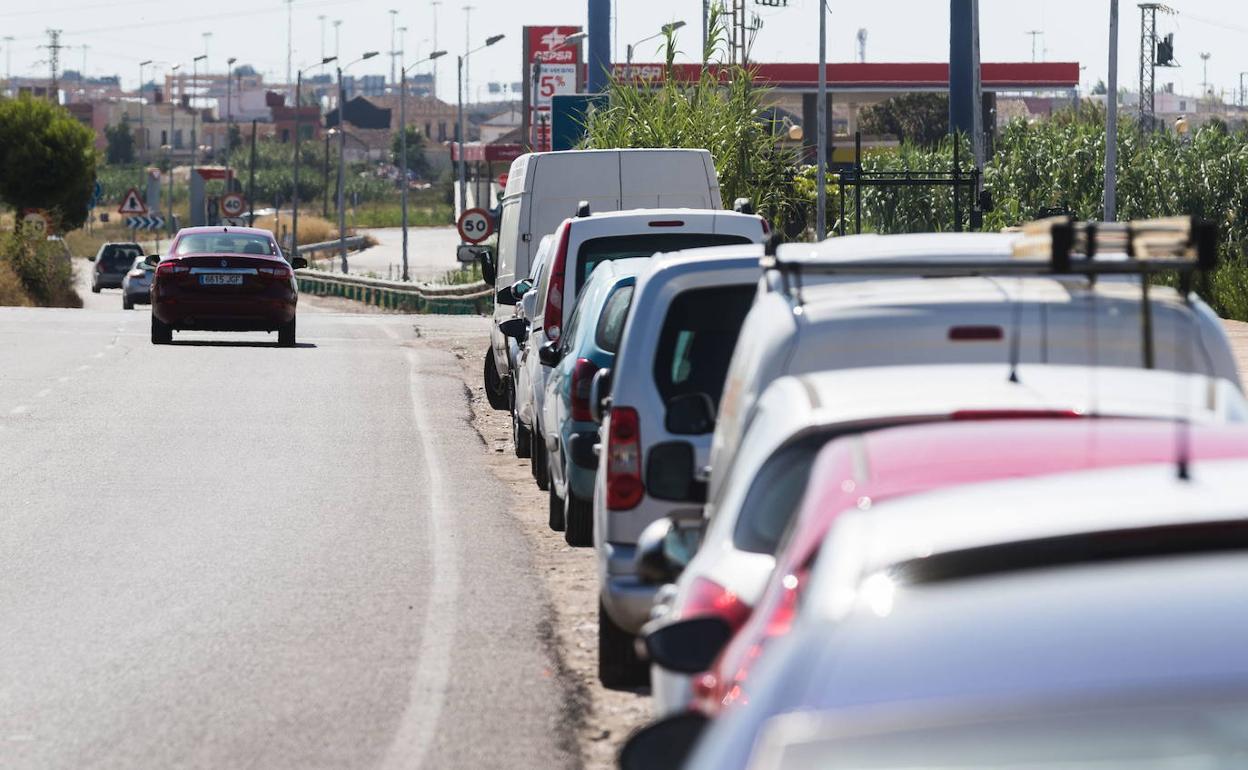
{"x":142,"y":129}
{"x":207,"y":37}
{"x":821,"y":122}
{"x":337,"y":24}
{"x":290,"y":39}
{"x":1111,"y":120}
{"x":82,"y":73}
{"x":435,"y":5}
{"x":466,"y":88}
{"x":321,"y":19}
{"x":8,"y":64}
{"x":1035,"y":33}
{"x":1205,"y":91}
{"x":394,"y":50}
{"x":54,"y":61}
{"x":229,"y":120}
{"x":1148,"y":63}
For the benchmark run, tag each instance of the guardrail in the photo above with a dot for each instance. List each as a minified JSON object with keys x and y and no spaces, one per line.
{"x":354,"y":242}
{"x":464,"y":299}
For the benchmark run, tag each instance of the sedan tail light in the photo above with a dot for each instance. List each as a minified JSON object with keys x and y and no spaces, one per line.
{"x":583,"y":372}
{"x":280,"y":273}
{"x":624,"y":485}
{"x":552,"y":315}
{"x":171,"y":268}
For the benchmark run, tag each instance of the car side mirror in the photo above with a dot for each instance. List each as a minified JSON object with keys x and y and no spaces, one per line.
{"x":664,"y":549}
{"x":489,"y":271}
{"x":600,"y":395}
{"x":667,"y":742}
{"x":152,"y":259}
{"x":548,"y":353}
{"x":505,"y":296}
{"x":520,"y":288}
{"x":298,"y":263}
{"x":516,"y":328}
{"x":690,"y":414}
{"x":671,"y":473}
{"x":90,"y":257}
{"x":688,"y":646}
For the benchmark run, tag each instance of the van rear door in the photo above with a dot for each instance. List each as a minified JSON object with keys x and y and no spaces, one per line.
{"x":561,"y":181}
{"x":668,"y":179}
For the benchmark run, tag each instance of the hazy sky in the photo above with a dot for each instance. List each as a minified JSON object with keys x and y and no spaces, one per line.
{"x":120,"y":33}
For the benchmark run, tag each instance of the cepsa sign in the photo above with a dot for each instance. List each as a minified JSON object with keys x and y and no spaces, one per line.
{"x":551,"y":67}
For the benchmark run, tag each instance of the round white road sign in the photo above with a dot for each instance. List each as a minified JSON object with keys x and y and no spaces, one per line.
{"x":233,"y":204}
{"x":475,"y":225}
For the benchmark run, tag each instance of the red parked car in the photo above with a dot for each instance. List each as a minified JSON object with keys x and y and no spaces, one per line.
{"x":872,"y":467}
{"x":224,"y":279}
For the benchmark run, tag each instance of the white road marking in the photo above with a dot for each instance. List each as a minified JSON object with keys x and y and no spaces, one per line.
{"x":428,"y":686}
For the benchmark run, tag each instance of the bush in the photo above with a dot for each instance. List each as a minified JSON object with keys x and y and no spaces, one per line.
{"x":47,"y":160}
{"x":44,"y":276}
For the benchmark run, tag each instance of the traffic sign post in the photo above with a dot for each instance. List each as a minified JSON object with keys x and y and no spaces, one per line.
{"x":39,"y":220}
{"x":233,"y":205}
{"x":475,"y":225}
{"x":131,"y":203}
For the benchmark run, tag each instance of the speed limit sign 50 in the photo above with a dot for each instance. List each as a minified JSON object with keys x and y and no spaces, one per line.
{"x":475,"y":225}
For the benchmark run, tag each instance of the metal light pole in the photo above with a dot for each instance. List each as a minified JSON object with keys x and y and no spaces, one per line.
{"x":342,"y":146}
{"x":666,"y":29}
{"x":294,"y":213}
{"x":194,"y":116}
{"x":435,"y":5}
{"x":463,"y":179}
{"x":821,"y":131}
{"x":142,"y":128}
{"x":394,"y":51}
{"x":403,"y":145}
{"x":229,"y":115}
{"x":325,"y":184}
{"x":1110,"y":202}
{"x":173,"y":109}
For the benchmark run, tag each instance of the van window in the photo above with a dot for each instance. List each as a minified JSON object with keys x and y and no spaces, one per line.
{"x":611,"y":322}
{"x":774,"y":496}
{"x":598,"y":250}
{"x":697,"y":340}
{"x":508,"y":229}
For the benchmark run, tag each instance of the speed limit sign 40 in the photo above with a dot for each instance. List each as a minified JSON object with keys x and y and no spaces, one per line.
{"x":475,"y":225}
{"x":233,"y":205}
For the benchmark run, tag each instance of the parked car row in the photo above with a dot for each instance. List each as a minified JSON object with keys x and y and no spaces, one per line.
{"x":841,"y":495}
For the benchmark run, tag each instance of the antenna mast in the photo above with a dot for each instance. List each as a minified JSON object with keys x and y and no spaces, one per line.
{"x":862,"y":45}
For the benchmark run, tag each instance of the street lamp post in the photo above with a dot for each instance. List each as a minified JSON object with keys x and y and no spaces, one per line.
{"x":342,"y":146}
{"x":194,"y":116}
{"x":666,"y":29}
{"x":142,"y":129}
{"x":325,"y":184}
{"x":173,"y":109}
{"x":294,"y":214}
{"x":539,"y":131}
{"x":403,"y":145}
{"x":459,"y":91}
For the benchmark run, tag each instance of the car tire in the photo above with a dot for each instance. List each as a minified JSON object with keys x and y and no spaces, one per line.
{"x":162,"y":333}
{"x":126,"y":302}
{"x":495,"y":386}
{"x":555,"y":506}
{"x":538,"y":460}
{"x":578,"y":520}
{"x":521,"y":437}
{"x":618,"y":665}
{"x":95,"y":288}
{"x":286,"y":334}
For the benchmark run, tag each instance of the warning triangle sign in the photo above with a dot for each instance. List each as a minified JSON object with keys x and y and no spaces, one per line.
{"x":131,"y":203}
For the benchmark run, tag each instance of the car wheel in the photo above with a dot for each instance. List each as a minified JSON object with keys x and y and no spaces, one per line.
{"x":538,"y":460}
{"x":556,"y":511}
{"x":578,"y":520}
{"x":618,"y":664}
{"x":286,"y":334}
{"x":126,"y":302}
{"x":162,"y":333}
{"x":95,"y":288}
{"x":495,"y":386}
{"x":521,"y":437}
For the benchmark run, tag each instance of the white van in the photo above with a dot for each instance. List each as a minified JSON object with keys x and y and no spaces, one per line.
{"x":544,"y":188}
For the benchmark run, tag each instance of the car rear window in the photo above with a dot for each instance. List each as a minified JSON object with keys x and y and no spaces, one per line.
{"x":775,"y":495}
{"x":119,"y":256}
{"x":697,"y":340}
{"x":611,"y":322}
{"x":224,"y":243}
{"x":595,"y":251}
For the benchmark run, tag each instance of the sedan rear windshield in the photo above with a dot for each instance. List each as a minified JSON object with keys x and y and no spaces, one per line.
{"x":225,"y":243}
{"x":598,"y":250}
{"x":697,"y":340}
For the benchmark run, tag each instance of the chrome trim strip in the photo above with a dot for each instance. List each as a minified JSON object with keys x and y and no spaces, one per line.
{"x":211,"y":270}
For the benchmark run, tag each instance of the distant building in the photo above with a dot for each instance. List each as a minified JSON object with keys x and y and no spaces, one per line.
{"x":497,"y":126}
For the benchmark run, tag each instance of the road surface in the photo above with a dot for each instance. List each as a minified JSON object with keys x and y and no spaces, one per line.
{"x":430,"y":253}
{"x":225,"y":554}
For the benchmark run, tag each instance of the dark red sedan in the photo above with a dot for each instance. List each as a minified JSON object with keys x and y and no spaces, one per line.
{"x":224,"y":279}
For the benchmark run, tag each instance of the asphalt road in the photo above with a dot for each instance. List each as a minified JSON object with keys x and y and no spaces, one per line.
{"x":225,"y":554}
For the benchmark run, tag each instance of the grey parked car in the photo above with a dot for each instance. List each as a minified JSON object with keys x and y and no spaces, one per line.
{"x":112,"y":262}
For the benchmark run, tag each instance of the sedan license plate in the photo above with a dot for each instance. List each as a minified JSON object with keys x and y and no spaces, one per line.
{"x":221,"y":280}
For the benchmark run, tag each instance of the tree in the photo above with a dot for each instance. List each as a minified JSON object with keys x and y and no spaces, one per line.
{"x":47,"y":159}
{"x":120,"y":142}
{"x":417,"y":164}
{"x":1099,"y":89}
{"x":921,"y":119}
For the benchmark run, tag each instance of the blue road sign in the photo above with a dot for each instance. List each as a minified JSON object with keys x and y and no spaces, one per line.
{"x":96,"y":194}
{"x":145,"y":223}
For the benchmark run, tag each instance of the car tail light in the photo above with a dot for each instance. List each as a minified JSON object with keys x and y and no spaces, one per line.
{"x":170,"y":268}
{"x":279,"y":273}
{"x":1014,"y":414}
{"x":766,"y":226}
{"x":582,"y":375}
{"x":706,"y":597}
{"x":624,"y":485}
{"x":667,"y":223}
{"x":975,"y":333}
{"x":552,"y":317}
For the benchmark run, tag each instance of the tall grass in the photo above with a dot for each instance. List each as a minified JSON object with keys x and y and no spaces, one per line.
{"x":34,"y":271}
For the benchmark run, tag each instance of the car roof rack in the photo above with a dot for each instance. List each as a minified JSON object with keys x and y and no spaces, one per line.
{"x":1054,"y":246}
